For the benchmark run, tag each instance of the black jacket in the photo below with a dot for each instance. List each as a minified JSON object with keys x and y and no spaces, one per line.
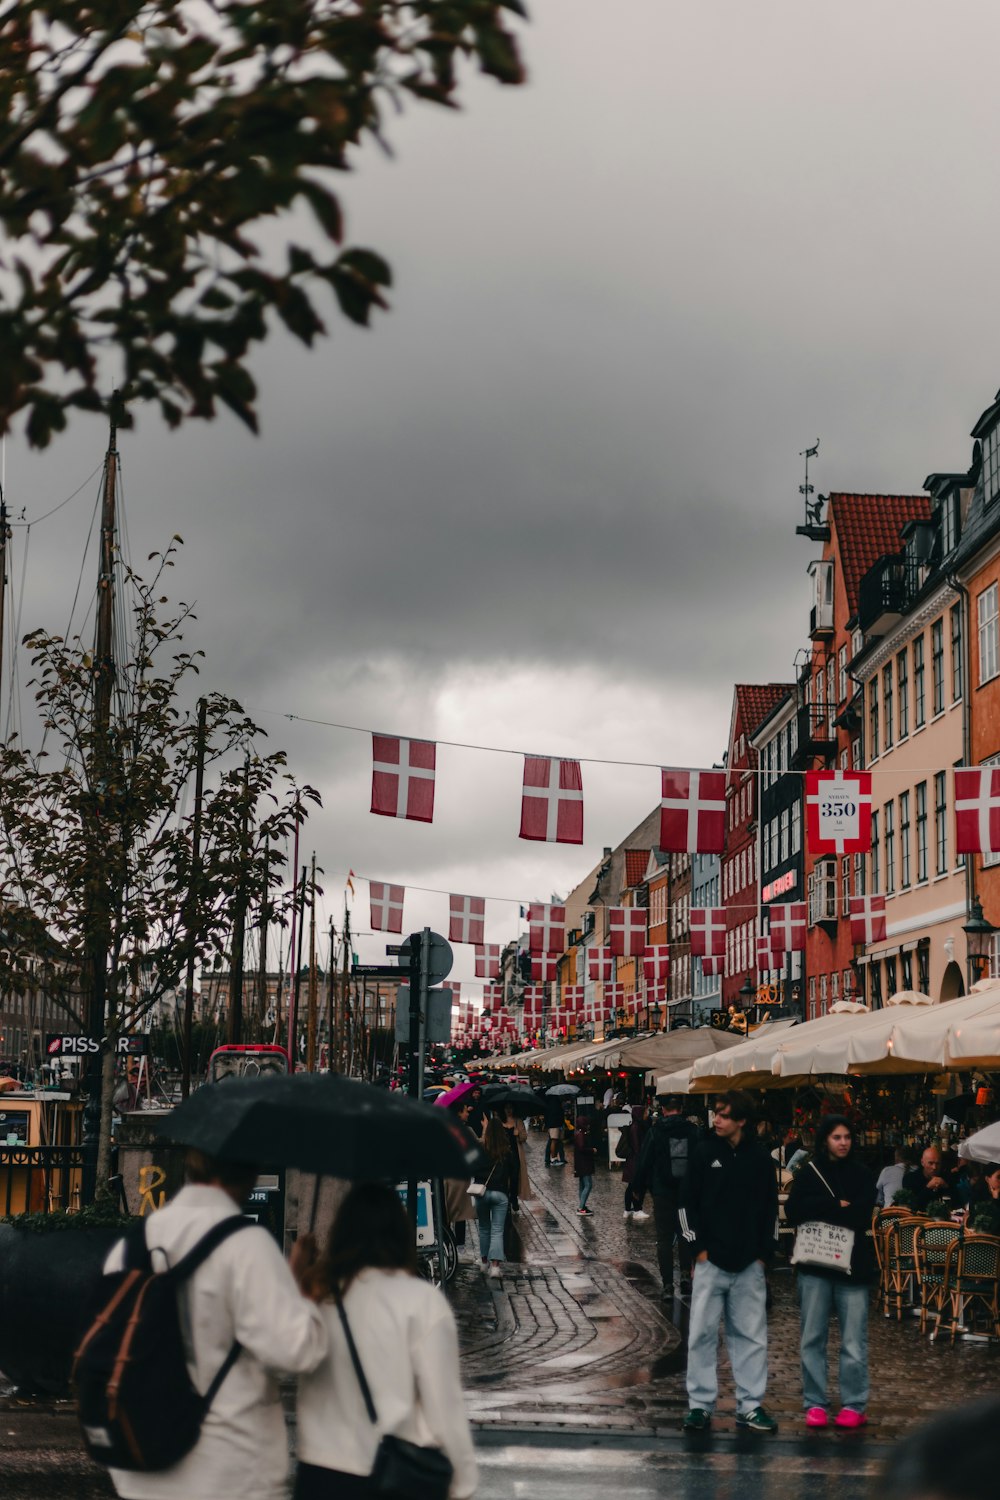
{"x":729,"y":1203}
{"x":916,"y":1183}
{"x":664,"y":1156}
{"x":554,"y":1111}
{"x":809,"y":1200}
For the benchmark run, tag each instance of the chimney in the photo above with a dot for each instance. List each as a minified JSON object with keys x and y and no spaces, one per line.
{"x":607,"y":851}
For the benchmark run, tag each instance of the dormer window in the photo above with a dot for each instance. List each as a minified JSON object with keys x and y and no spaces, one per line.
{"x":991,"y":464}
{"x":950,"y":523}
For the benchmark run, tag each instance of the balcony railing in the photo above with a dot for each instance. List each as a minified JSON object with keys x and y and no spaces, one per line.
{"x":885,"y":593}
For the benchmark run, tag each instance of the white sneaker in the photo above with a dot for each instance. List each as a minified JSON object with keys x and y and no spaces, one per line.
{"x":494,"y":1273}
{"x":627,"y":1214}
{"x":638,"y":1214}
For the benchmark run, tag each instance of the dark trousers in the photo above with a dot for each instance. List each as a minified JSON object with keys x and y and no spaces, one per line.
{"x":667,"y":1224}
{"x":632,"y":1202}
{"x":315,"y":1483}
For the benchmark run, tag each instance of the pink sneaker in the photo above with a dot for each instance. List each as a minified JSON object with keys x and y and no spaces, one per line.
{"x":816,"y":1416}
{"x":848,"y":1417}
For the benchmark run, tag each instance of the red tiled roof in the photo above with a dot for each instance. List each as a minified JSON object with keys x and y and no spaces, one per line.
{"x":868,"y":527}
{"x":755,"y":700}
{"x":636,"y":864}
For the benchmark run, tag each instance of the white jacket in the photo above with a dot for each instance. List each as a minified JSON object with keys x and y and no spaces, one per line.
{"x":406,"y":1340}
{"x":243,"y":1291}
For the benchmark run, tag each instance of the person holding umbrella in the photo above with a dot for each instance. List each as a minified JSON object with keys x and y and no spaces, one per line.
{"x":517,"y":1134}
{"x":554,"y":1115}
{"x":493,"y":1203}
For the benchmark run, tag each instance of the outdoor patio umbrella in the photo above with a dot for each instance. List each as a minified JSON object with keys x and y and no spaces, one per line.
{"x":325,"y":1123}
{"x":984,"y":1146}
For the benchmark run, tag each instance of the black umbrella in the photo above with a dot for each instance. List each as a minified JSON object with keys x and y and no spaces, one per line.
{"x":521,"y":1100}
{"x":324,"y":1123}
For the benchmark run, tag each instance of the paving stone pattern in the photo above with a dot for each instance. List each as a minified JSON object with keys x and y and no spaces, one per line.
{"x":575,"y":1335}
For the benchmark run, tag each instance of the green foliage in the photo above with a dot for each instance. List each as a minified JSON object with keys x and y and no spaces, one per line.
{"x":938,"y":1208}
{"x":146,"y":147}
{"x":984,"y":1218}
{"x":904,"y":1198}
{"x":103,"y":1214}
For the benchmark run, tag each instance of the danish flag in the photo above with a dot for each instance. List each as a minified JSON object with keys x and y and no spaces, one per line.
{"x":627,"y":930}
{"x":788,"y":927}
{"x":403,"y":777}
{"x":767,"y":956}
{"x":656,"y":993}
{"x":534,"y":1000}
{"x":708,"y":931}
{"x":466,"y":919}
{"x":692,"y":811}
{"x":387,"y":906}
{"x":839,"y":812}
{"x":614,"y":996}
{"x":572,"y":998}
{"x":867,"y":914}
{"x":600,"y":964}
{"x":546,"y":928}
{"x":977,"y":810}
{"x":713,"y":965}
{"x":545,"y":967}
{"x":492,"y":995}
{"x":656,"y":963}
{"x":487,"y":960}
{"x":552,"y":800}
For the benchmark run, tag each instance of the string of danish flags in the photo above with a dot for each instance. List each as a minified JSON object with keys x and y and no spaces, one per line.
{"x":692,"y":821}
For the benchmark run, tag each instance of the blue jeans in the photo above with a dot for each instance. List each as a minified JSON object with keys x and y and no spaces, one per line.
{"x":491,"y":1211}
{"x":819,"y":1298}
{"x":586,"y":1183}
{"x":739,"y":1297}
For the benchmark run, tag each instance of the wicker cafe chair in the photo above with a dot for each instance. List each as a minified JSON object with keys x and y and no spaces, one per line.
{"x":973,"y":1283}
{"x":901,"y":1263}
{"x":882,"y":1218}
{"x":931,"y":1245}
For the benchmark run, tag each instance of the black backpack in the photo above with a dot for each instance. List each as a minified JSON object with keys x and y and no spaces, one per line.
{"x":137,"y":1405}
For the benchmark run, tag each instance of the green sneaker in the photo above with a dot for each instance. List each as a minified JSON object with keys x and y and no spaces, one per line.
{"x":697,"y":1420}
{"x":757,"y":1420}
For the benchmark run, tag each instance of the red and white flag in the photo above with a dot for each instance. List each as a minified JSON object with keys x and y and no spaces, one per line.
{"x":403,"y":777}
{"x":867,"y":914}
{"x":545,"y":967}
{"x":708,"y":931}
{"x":713,"y":965}
{"x":552,"y":800}
{"x":788,"y":927}
{"x":487,"y":960}
{"x":768,"y":957}
{"x":386,"y":906}
{"x":692,"y":811}
{"x":492,"y":996}
{"x":977,"y":810}
{"x":614,"y":996}
{"x":839,"y":812}
{"x":546,"y":928}
{"x":600,"y":964}
{"x":466,"y":919}
{"x":656,"y":993}
{"x":572,"y":998}
{"x":656,"y":963}
{"x":627,"y":930}
{"x":534,"y":1000}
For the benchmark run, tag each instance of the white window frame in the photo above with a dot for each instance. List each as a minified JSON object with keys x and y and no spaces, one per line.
{"x":988,"y":619}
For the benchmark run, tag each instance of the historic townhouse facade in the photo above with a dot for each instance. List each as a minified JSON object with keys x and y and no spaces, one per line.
{"x":706,"y":891}
{"x":779,"y":835}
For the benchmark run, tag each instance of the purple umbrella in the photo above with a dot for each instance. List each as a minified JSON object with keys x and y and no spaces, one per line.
{"x":458,"y":1092}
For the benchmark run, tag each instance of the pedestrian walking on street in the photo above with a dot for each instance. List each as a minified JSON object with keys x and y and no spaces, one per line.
{"x":405,"y":1351}
{"x":554,"y":1115}
{"x":834,"y":1187}
{"x":459,"y":1207}
{"x":629,"y":1147}
{"x":493,"y":1205}
{"x":517,"y":1134}
{"x":661,"y":1170}
{"x":729,"y":1213}
{"x":244,"y":1293}
{"x":584,"y":1160}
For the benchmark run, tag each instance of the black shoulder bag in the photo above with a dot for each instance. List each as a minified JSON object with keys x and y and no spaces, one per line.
{"x":402,"y":1470}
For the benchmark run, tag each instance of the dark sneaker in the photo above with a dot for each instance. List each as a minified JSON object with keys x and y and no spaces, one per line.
{"x":757,"y":1420}
{"x":697,"y":1420}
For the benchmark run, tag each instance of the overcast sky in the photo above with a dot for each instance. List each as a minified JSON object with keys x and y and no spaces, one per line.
{"x":549,"y":502}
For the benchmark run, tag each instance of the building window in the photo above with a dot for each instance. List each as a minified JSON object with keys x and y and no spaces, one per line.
{"x":823,"y":892}
{"x":890,"y":977}
{"x":887,"y":719}
{"x":845,"y":884}
{"x":906,"y":969}
{"x":859,"y":874}
{"x":796,"y":827}
{"x":873,"y":718}
{"x":986,"y":606}
{"x":831,"y":691}
{"x":822,"y":994}
{"x":889,"y":834}
{"x":875,"y":854}
{"x":937,"y":667}
{"x":990,"y":861}
{"x":924,"y":966}
{"x":783,"y":823}
{"x":950,"y":524}
{"x":991,"y":464}
{"x":834,"y":987}
{"x":918,"y":682}
{"x":903,"y":693}
{"x":842,"y":673}
{"x":940,"y":823}
{"x":812,"y":997}
{"x":904,"y":840}
{"x":856,"y":761}
{"x":957,"y":661}
{"x":921,"y":795}
{"x":876,"y":983}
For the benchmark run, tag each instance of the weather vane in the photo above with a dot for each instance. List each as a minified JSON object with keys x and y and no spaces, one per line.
{"x":814,"y":508}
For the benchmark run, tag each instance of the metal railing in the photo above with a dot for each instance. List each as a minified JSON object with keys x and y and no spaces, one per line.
{"x":40,"y":1179}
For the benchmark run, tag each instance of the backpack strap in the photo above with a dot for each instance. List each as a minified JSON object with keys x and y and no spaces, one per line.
{"x":356,"y":1361}
{"x":189,"y":1263}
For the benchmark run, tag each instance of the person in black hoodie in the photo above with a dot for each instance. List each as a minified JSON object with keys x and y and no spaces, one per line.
{"x":728,"y":1216}
{"x":833,"y":1187}
{"x":661,"y":1170}
{"x":554,"y":1114}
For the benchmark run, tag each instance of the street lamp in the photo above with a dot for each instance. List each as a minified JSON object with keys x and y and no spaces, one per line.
{"x":978,"y":941}
{"x":747,"y":993}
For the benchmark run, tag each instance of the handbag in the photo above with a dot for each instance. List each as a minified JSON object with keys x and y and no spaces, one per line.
{"x":829,"y":1246}
{"x":477,"y":1189}
{"x":402,"y":1470}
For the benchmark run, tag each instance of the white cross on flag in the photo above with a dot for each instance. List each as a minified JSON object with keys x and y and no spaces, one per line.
{"x":456,"y":991}
{"x":656,"y":962}
{"x":600,"y":964}
{"x":466,"y":919}
{"x":788,"y":927}
{"x":534,"y":1000}
{"x":867,"y":914}
{"x":403,"y":777}
{"x":977,"y":810}
{"x":767,"y":956}
{"x":387,"y":906}
{"x":708,"y":931}
{"x":546,"y":928}
{"x":492,"y":995}
{"x":487,"y":960}
{"x":572,"y":998}
{"x":545,"y":967}
{"x":552,"y":800}
{"x":614,"y":995}
{"x":713,"y":965}
{"x":839,"y":812}
{"x":656,"y":993}
{"x":627,"y":930}
{"x":692,"y":811}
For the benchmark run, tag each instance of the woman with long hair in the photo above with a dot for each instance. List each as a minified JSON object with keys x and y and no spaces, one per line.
{"x":493,"y":1204}
{"x":834,"y":1187}
{"x":405,"y":1339}
{"x":517,"y":1135}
